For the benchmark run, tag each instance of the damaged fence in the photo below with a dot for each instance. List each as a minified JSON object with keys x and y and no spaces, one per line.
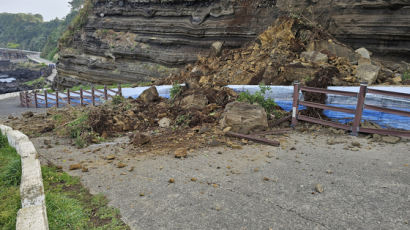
{"x":69,"y":97}
{"x":355,"y":126}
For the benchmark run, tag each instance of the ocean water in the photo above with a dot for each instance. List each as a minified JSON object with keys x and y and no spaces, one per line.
{"x":6,"y":79}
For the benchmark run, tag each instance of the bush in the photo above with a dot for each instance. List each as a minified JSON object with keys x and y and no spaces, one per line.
{"x":405,"y":76}
{"x":259,"y":98}
{"x":116,"y":100}
{"x":175,"y":91}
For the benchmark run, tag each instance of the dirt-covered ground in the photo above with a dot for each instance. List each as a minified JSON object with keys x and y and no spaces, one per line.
{"x":318,"y":178}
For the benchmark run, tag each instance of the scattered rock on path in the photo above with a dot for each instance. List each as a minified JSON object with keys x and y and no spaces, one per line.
{"x":319,"y":188}
{"x":181,"y":152}
{"x":75,"y":166}
{"x":244,"y":118}
{"x":391,"y":139}
{"x":27,"y":114}
{"x":171,"y":180}
{"x":110,"y":157}
{"x":121,"y":165}
{"x":139,"y":139}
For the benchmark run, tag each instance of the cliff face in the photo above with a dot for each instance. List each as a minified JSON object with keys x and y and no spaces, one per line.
{"x":382,"y":26}
{"x":138,"y":40}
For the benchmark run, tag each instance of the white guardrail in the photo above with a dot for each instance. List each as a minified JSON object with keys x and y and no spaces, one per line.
{"x":33,"y":214}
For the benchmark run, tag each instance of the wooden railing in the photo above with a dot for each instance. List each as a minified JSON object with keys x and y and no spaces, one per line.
{"x":358,"y":112}
{"x":59,"y":99}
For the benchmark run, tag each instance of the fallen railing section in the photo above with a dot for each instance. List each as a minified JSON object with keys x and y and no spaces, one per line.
{"x":58,"y":99}
{"x":355,"y":128}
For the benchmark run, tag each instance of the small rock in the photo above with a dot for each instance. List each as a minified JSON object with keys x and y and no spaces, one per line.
{"x":356,"y":144}
{"x":131,"y":169}
{"x":227,"y":129}
{"x":121,"y":165}
{"x":110,"y":157}
{"x":193,"y":179}
{"x":216,"y":48}
{"x":27,"y":114}
{"x":172,"y":180}
{"x":329,"y":171}
{"x":391,"y":139}
{"x":363,"y":52}
{"x":319,"y":188}
{"x":142,"y":194}
{"x":315,"y":57}
{"x":164,"y":122}
{"x":47,"y":142}
{"x":75,"y":166}
{"x":181,"y":152}
{"x":266,"y":179}
{"x":139,"y":139}
{"x":84,"y":169}
{"x":368,"y":73}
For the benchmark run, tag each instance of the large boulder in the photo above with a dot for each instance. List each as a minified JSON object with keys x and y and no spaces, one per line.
{"x":194,"y":101}
{"x":368,"y":73}
{"x":315,"y":57}
{"x":244,"y":118}
{"x":149,"y":95}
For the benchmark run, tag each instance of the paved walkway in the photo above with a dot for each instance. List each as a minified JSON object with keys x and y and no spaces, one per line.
{"x":365,"y":189}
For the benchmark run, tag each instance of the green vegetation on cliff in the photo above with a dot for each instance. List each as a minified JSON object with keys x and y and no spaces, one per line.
{"x":30,"y":32}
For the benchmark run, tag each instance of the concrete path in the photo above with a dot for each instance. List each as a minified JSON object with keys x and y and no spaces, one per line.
{"x":11,"y":106}
{"x":257,"y":187}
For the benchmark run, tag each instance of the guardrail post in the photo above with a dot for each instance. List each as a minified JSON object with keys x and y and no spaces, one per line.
{"x":119,"y":90}
{"x":35,"y":99}
{"x":68,"y":97}
{"x":27,"y":100}
{"x":295,"y":105}
{"x":361,"y":96}
{"x":105,"y":93}
{"x":57,"y":103}
{"x":93,"y":95}
{"x":46,"y":98}
{"x":21,"y":99}
{"x":81,"y":97}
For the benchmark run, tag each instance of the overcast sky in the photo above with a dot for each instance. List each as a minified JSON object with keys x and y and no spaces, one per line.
{"x":50,"y":9}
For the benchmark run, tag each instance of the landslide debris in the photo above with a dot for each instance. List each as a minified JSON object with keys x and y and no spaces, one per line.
{"x":291,"y":49}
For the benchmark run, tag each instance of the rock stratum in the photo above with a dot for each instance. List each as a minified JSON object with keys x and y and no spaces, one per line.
{"x":142,"y":40}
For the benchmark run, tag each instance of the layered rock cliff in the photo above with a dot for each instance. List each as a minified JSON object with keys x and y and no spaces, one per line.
{"x":140,"y":40}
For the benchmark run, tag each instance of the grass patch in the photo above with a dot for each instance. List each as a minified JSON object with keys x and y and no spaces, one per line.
{"x":41,"y":81}
{"x":10,"y":174}
{"x":175,"y":91}
{"x":70,"y":206}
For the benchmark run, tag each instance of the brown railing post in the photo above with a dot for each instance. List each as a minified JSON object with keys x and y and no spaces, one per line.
{"x":359,"y":108}
{"x":46,"y":98}
{"x":295,"y":106}
{"x":81,"y":97}
{"x":21,"y":99}
{"x":35,"y":99}
{"x":57,"y":103}
{"x":27,"y":100}
{"x":68,"y":97}
{"x":119,"y":90}
{"x":105,"y":93}
{"x":93,"y":95}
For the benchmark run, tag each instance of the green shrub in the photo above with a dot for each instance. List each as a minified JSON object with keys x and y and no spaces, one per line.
{"x":175,"y":91}
{"x":405,"y":76}
{"x":259,"y":98}
{"x":116,"y":100}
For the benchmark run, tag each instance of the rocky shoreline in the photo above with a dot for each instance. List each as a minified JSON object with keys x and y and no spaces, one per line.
{"x":22,"y":73}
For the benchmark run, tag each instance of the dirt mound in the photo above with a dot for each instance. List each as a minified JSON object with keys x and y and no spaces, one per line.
{"x":278,"y":57}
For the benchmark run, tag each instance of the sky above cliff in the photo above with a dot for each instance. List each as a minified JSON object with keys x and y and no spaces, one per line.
{"x":50,"y":9}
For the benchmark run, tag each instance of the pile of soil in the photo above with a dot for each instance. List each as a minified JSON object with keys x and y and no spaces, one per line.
{"x":275,"y":59}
